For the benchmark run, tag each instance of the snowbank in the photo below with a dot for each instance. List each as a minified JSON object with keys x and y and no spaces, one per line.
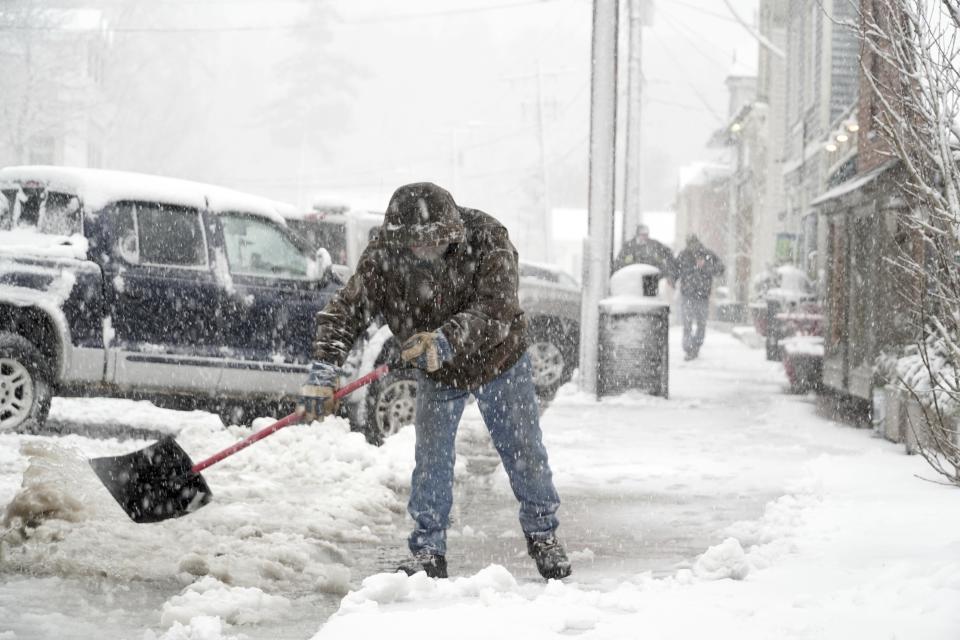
{"x":282,"y":519}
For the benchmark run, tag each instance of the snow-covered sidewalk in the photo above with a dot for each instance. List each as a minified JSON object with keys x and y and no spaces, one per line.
{"x":854,"y":546}
{"x":731,"y":510}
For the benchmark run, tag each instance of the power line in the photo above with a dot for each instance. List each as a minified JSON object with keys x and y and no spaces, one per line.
{"x":707,"y":12}
{"x":686,"y":78}
{"x":759,"y":37}
{"x":448,"y":12}
{"x":692,"y":42}
{"x":678,"y":105}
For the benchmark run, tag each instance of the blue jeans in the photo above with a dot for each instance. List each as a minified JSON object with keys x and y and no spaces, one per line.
{"x":509,"y":408}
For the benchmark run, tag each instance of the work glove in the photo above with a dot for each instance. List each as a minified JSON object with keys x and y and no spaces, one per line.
{"x":427,"y":350}
{"x":316,"y":395}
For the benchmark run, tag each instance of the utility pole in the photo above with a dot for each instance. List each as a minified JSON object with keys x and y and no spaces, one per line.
{"x":544,"y":176}
{"x":632,"y":214}
{"x":603,"y":134}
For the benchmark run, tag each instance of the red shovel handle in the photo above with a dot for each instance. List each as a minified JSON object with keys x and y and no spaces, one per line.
{"x":293,"y":418}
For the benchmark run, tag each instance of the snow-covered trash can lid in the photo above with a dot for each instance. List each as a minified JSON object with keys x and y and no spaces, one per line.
{"x":623,"y":304}
{"x":629,"y":280}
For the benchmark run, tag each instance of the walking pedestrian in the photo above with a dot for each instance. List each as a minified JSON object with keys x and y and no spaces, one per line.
{"x":642,"y":249}
{"x":444,"y":278}
{"x":696,"y":268}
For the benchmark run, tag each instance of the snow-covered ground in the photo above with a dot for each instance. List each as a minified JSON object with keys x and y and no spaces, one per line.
{"x":731,"y":510}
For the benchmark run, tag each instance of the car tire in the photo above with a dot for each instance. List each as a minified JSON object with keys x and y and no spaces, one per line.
{"x":25,"y":385}
{"x":390,"y":405}
{"x":552,"y":358}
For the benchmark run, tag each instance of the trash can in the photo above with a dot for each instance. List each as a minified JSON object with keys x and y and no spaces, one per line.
{"x":634,"y":334}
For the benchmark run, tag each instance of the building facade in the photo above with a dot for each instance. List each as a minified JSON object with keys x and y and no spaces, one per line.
{"x":822,"y":77}
{"x":863,"y":217}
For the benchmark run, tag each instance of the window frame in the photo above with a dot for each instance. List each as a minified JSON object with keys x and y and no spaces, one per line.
{"x":160,"y":265}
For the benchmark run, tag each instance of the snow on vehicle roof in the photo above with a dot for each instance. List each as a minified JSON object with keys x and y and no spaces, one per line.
{"x":99,"y":187}
{"x":331,"y":206}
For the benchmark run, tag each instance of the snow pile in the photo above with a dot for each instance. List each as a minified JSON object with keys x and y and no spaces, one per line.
{"x":28,"y":241}
{"x":57,"y":485}
{"x":725,"y":560}
{"x":929,"y":375}
{"x":199,"y":628}
{"x":803,"y":345}
{"x":107,"y":414}
{"x":209,"y":597}
{"x":389,"y":588}
{"x":283,"y":516}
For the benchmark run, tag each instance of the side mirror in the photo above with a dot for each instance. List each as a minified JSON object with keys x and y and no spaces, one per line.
{"x":321,"y":265}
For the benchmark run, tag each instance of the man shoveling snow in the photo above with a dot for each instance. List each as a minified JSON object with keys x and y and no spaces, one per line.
{"x":445,"y":280}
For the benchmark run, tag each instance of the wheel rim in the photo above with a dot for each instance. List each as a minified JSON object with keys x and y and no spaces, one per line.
{"x":16,"y":393}
{"x":547,"y":362}
{"x":396,"y":406}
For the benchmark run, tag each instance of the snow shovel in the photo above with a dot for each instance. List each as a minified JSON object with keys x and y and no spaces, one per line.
{"x":161,"y":482}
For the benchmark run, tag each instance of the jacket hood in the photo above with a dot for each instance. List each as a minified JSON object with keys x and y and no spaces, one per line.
{"x":421,"y":214}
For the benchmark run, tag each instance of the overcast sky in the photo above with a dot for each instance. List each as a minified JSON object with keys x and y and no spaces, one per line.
{"x":449,"y":92}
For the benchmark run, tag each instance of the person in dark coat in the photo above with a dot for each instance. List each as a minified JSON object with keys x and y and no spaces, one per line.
{"x":445,"y":279}
{"x":642,"y":249}
{"x":697,"y":266}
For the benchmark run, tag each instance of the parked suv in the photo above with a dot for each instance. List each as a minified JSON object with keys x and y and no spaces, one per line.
{"x":138,"y":286}
{"x":549,"y":296}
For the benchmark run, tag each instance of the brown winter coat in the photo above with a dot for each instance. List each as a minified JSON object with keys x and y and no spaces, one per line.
{"x":470,"y":294}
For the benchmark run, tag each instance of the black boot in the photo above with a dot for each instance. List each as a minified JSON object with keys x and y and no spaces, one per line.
{"x":551,"y":559}
{"x":433,"y":564}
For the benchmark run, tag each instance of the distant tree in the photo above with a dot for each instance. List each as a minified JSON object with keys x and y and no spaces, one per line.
{"x":914,"y":75}
{"x":45,"y":91}
{"x":313,"y":84}
{"x":160,"y":88}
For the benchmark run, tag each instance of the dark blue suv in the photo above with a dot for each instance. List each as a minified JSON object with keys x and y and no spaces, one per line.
{"x":128,"y":285}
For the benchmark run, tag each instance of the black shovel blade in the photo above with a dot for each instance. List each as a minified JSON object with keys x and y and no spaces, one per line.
{"x":155,"y":483}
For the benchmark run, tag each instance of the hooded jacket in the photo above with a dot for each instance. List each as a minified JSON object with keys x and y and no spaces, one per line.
{"x":470,"y":293}
{"x":696,"y":268}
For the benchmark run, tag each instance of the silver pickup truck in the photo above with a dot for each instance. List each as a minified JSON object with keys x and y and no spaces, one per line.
{"x":120,"y":284}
